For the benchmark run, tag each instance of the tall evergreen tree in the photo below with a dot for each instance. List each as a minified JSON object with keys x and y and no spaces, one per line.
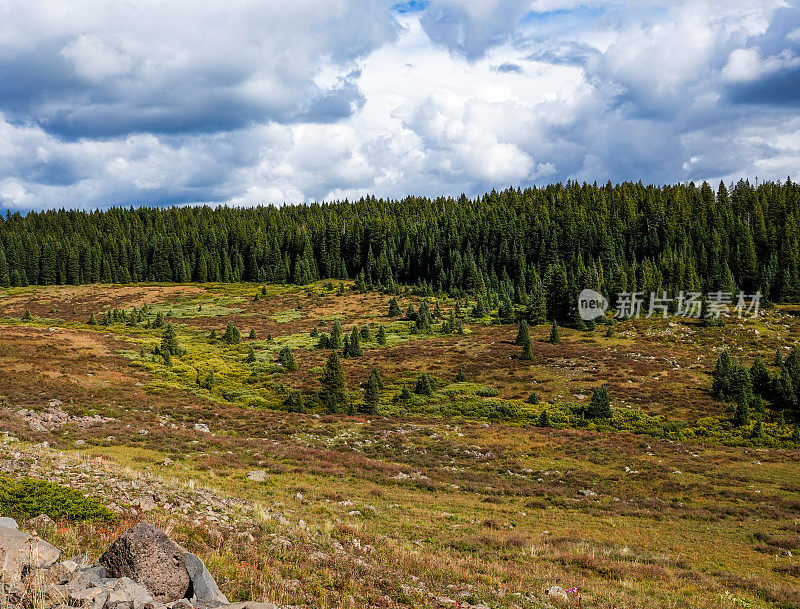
{"x":332,"y":394}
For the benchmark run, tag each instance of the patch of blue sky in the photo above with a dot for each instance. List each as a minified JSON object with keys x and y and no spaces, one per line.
{"x":412,"y":6}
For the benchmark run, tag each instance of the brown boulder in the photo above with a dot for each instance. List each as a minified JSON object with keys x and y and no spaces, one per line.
{"x":149,"y":557}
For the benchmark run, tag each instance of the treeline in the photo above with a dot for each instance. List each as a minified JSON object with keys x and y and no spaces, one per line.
{"x":556,"y":239}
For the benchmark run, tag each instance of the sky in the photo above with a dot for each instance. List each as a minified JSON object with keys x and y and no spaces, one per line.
{"x":238,"y":102}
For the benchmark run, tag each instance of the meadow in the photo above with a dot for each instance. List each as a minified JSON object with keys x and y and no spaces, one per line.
{"x":460,"y":496}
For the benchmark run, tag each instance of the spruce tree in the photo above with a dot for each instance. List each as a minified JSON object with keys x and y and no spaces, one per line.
{"x":523,"y":335}
{"x":252,"y":335}
{"x":366,"y":334}
{"x":294,"y":402}
{"x":555,"y":338}
{"x":381,"y":337}
{"x":762,"y":381}
{"x":537,"y":304}
{"x":527,"y":352}
{"x":251,"y":355}
{"x":394,"y":308}
{"x":721,"y":381}
{"x":332,"y":394}
{"x":599,"y":405}
{"x":92,"y":320}
{"x":169,"y":340}
{"x":372,"y":388}
{"x":355,"y":343}
{"x":425,"y":384}
{"x":232,"y":334}
{"x":26,"y":316}
{"x":544,"y":418}
{"x":286,"y":359}
{"x":533,"y":398}
{"x":336,"y":335}
{"x":461,"y":376}
{"x":741,"y":414}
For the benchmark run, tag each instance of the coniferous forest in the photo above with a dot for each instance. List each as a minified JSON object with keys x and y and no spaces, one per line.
{"x":550,"y":241}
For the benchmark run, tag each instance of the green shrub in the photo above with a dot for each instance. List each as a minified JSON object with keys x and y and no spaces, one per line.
{"x":27,"y":498}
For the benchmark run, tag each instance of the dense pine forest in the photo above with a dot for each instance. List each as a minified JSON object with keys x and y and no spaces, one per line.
{"x":549,"y":241}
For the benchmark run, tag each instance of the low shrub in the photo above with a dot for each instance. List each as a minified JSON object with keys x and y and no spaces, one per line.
{"x":27,"y":498}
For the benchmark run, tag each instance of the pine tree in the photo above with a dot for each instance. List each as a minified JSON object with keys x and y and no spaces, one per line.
{"x":286,"y":359}
{"x":332,"y":394}
{"x":523,"y":335}
{"x":372,"y":388}
{"x":26,"y":316}
{"x":381,"y":337}
{"x":251,"y":355}
{"x":537,"y":304}
{"x":232,"y":334}
{"x":555,"y":338}
{"x":762,"y":381}
{"x":169,"y":341}
{"x":423,"y":320}
{"x":294,"y":402}
{"x":720,"y":386}
{"x":425,"y":384}
{"x":252,"y":335}
{"x":394,"y":308}
{"x":527,"y":352}
{"x":92,"y":320}
{"x":355,"y":349}
{"x":741,"y":414}
{"x":544,"y":419}
{"x":785,"y":395}
{"x":533,"y":398}
{"x":461,"y":376}
{"x":336,"y":335}
{"x":366,"y":334}
{"x":778,"y":358}
{"x":600,"y":404}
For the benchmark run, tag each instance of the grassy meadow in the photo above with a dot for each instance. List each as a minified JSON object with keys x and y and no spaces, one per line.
{"x":460,"y":498}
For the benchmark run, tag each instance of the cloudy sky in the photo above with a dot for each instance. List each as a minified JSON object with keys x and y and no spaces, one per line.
{"x":243,"y":102}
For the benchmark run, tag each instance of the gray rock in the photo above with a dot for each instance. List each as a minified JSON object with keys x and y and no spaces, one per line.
{"x":124,"y":593}
{"x":8,"y":523}
{"x":252,"y":605}
{"x":204,"y":588}
{"x":20,"y":552}
{"x":146,"y":555}
{"x":42,"y":520}
{"x":587,"y":493}
{"x":556,"y":592}
{"x":258,"y":475}
{"x":61,"y":572}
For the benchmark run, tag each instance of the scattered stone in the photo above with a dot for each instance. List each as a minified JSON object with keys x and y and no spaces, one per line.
{"x":201,"y":428}
{"x":257,"y":476}
{"x":587,"y":493}
{"x":149,"y":557}
{"x":556,"y":592}
{"x":8,"y":523}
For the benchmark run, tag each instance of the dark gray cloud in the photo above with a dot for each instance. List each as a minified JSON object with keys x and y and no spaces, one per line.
{"x":172,"y":68}
{"x":778,"y":82}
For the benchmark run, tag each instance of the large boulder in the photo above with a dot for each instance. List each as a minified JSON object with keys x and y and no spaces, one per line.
{"x":205,"y":592}
{"x":20,"y":552}
{"x":147,"y":556}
